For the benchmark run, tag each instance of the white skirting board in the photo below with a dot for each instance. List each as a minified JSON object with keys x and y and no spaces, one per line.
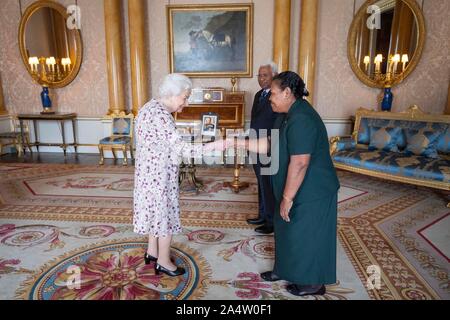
{"x":90,"y":131}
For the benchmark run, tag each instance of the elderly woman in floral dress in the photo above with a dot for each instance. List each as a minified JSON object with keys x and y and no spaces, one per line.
{"x":159,"y":148}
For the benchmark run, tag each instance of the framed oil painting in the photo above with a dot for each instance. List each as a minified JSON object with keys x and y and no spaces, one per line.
{"x":211,"y":40}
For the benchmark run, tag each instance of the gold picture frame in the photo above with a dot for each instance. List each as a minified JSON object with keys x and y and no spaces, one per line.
{"x":212,"y":40}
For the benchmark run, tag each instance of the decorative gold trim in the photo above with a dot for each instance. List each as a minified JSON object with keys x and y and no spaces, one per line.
{"x":228,"y":7}
{"x":79,"y":44}
{"x":378,"y":174}
{"x":351,"y":44}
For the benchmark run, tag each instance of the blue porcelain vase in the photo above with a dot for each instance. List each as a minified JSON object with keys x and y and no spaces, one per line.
{"x":388,"y":97}
{"x":45,"y":98}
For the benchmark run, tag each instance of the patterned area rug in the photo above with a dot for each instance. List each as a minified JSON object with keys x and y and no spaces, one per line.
{"x":65,"y":233}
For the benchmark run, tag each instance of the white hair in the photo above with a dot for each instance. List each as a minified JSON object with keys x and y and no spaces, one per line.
{"x":272,"y":66}
{"x":173,"y":85}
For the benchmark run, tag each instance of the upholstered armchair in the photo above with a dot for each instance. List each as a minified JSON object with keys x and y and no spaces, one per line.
{"x":121,"y":138}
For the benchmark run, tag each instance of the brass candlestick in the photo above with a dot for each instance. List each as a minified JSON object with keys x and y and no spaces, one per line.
{"x":233,"y":84}
{"x":236,"y":185}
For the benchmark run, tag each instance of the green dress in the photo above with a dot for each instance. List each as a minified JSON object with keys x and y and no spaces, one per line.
{"x":305,"y":247}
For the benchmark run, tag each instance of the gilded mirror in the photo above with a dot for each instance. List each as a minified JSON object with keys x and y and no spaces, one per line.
{"x":51,"y":52}
{"x":385,"y":41}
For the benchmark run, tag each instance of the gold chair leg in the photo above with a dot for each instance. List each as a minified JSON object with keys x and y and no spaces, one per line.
{"x":27,"y":143}
{"x":131,"y":152}
{"x":102,"y":158}
{"x":114,"y":154}
{"x":19,"y":147}
{"x":125,"y":155}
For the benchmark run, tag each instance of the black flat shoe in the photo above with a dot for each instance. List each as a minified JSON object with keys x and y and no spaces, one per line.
{"x":148,"y":258}
{"x":299,"y":290}
{"x":178,"y":272}
{"x":264,"y":229}
{"x":255,"y":221}
{"x":269,"y":276}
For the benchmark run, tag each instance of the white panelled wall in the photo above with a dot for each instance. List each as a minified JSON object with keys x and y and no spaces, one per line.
{"x":91,"y":130}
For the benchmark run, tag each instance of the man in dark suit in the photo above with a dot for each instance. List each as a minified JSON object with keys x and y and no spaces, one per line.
{"x":263,"y":118}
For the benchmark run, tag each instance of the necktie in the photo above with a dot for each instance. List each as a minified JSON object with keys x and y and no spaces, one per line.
{"x":263,"y":96}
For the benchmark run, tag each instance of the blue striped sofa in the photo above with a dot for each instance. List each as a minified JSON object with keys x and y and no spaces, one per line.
{"x":397,"y":161}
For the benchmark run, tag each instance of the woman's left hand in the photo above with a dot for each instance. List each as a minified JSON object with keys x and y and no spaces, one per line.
{"x":285,"y":207}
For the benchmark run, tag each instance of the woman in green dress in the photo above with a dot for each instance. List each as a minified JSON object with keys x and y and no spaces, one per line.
{"x":305,"y":187}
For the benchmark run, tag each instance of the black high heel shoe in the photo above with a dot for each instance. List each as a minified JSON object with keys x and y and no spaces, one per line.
{"x":148,"y":258}
{"x":178,"y":272}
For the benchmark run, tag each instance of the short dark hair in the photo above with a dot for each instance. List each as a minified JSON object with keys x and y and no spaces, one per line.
{"x":289,"y":79}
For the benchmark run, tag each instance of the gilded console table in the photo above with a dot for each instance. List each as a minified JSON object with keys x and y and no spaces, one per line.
{"x":61,"y":118}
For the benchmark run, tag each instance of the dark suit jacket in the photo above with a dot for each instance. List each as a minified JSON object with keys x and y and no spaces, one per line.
{"x":262,"y":118}
{"x":262,"y":115}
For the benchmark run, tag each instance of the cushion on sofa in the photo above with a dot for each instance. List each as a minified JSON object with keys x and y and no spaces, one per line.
{"x":363,"y":131}
{"x":345,"y":144}
{"x":443,"y":144}
{"x":383,"y":138}
{"x":401,"y":164}
{"x":422,"y":142}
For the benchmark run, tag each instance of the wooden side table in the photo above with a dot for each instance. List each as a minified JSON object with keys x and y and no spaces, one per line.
{"x":61,"y":118}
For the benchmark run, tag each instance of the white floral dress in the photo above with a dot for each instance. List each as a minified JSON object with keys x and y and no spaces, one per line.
{"x":159,"y":148}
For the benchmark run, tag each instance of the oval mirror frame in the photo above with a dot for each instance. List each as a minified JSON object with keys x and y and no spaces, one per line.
{"x":353,"y":33}
{"x":79,"y":44}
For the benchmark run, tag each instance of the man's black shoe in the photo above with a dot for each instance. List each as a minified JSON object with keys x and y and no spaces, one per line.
{"x":255,"y":221}
{"x":264,"y":229}
{"x":269,"y":276}
{"x":299,"y":290}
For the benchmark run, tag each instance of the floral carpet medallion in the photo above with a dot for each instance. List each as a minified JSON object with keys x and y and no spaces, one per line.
{"x":116,"y":271}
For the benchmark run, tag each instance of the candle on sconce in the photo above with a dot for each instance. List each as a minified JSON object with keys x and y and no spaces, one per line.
{"x":47,"y":62}
{"x":378,"y":61}
{"x":33,"y":63}
{"x":405,"y":60}
{"x":66,"y":64}
{"x":395,"y":60}
{"x":51,"y":62}
{"x":367,"y":62}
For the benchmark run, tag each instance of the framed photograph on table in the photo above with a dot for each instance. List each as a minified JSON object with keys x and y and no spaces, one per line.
{"x":210,"y":123}
{"x":211,"y":40}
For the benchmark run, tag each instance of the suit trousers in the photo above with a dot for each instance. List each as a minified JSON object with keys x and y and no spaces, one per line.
{"x":266,"y":200}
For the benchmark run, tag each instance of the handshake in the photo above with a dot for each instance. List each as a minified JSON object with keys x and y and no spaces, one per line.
{"x":223,"y":144}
